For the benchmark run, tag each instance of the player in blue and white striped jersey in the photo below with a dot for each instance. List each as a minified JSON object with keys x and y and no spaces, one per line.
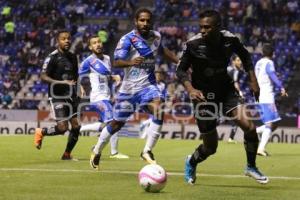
{"x":135,"y":53}
{"x":97,"y":67}
{"x":267,"y":79}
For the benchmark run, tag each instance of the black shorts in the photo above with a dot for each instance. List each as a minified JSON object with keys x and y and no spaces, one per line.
{"x":64,"y":109}
{"x":208,"y":113}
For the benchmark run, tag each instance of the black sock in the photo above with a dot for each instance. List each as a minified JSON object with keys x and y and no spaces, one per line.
{"x":198,"y":156}
{"x":72,"y":139}
{"x":52,"y":131}
{"x":251,"y":145}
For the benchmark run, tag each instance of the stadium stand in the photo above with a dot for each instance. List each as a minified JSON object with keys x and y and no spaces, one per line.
{"x":25,"y":39}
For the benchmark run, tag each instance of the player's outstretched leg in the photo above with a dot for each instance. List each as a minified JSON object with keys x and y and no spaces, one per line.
{"x":40,"y":133}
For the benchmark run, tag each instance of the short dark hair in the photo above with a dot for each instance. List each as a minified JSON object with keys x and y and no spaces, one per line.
{"x":234,"y":57}
{"x":213,"y":14}
{"x":142,"y":10}
{"x":91,"y":37}
{"x":61,"y":31}
{"x":268,"y":49}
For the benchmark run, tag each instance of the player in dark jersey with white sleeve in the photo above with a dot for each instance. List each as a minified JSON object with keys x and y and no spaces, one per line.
{"x":60,"y":72}
{"x":211,"y":89}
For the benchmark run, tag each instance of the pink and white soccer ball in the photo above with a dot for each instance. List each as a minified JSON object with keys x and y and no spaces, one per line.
{"x":152,"y":178}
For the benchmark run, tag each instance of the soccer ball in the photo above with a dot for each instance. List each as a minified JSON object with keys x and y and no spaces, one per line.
{"x":152,"y":178}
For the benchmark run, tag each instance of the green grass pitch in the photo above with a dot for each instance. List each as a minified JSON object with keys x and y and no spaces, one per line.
{"x":28,"y":174}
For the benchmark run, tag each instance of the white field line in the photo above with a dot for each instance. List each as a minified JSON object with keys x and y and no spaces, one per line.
{"x":133,"y":172}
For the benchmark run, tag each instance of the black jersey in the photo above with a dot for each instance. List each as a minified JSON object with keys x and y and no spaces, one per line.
{"x":209,"y":63}
{"x":61,"y":66}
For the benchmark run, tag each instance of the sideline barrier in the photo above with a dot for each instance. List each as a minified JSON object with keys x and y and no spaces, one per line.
{"x":169,"y":131}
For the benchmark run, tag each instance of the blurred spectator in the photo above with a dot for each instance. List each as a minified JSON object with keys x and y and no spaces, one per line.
{"x":80,"y":10}
{"x":58,"y":21}
{"x":9,"y":28}
{"x":101,"y":6}
{"x":172,"y":10}
{"x":6,"y":11}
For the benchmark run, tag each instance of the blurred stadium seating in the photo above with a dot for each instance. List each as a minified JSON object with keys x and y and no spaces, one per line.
{"x":22,"y":53}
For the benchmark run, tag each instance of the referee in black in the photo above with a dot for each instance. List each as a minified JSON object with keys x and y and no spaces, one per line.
{"x":60,"y":71}
{"x":211,"y":89}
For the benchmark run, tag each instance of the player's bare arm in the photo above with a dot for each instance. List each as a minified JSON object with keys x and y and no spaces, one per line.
{"x":194,"y":93}
{"x":170,"y":55}
{"x":253,"y":83}
{"x":48,"y":79}
{"x":117,"y":79}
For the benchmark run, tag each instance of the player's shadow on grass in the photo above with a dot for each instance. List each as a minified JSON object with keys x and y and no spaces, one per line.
{"x":155,"y":193}
{"x":284,"y":155}
{"x":259,"y":187}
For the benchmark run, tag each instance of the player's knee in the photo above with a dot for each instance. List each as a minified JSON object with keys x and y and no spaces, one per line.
{"x":210,"y":150}
{"x":249,"y":129}
{"x":115,"y":126}
{"x":61,"y":130}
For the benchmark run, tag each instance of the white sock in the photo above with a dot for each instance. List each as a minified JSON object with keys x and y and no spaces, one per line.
{"x":91,"y":127}
{"x":260,"y":129}
{"x":146,"y":125}
{"x":153,"y":133}
{"x":114,"y":144}
{"x":264,"y":138}
{"x":102,"y":141}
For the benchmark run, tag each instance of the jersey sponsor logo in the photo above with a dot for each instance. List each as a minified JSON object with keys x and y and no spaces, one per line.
{"x":201,"y":46}
{"x":134,"y":39}
{"x":134,"y":73}
{"x":201,"y":50}
{"x":97,"y":65}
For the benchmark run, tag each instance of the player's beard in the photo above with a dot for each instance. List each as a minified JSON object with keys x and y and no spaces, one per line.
{"x":145,"y":32}
{"x":66,"y":48}
{"x":99,"y":52}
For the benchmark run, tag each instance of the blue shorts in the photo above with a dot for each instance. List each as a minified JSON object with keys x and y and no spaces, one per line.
{"x":104,"y":109}
{"x":268,"y":112}
{"x":126,"y":104}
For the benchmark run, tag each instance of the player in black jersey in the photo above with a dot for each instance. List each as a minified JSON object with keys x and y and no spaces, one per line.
{"x":60,"y":72}
{"x":211,"y":89}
